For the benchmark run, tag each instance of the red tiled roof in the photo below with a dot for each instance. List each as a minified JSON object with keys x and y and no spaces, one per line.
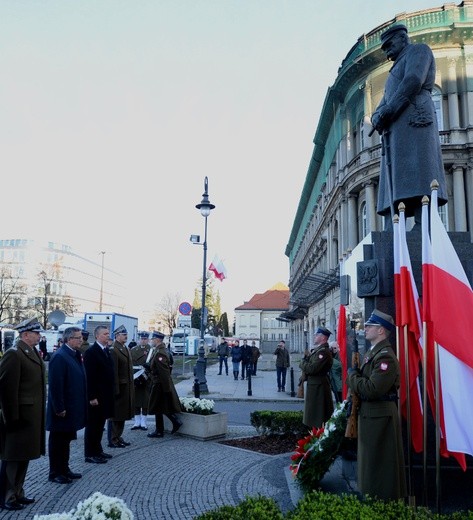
{"x":277,"y":300}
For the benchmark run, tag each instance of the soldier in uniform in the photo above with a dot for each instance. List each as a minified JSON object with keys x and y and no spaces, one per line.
{"x":85,"y":341}
{"x":163,"y":398}
{"x":142,"y":382}
{"x":380,"y":454}
{"x":316,"y":365}
{"x":22,"y":421}
{"x":124,"y":388}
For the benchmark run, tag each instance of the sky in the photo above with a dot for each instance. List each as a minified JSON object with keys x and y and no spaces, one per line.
{"x":112,"y":113}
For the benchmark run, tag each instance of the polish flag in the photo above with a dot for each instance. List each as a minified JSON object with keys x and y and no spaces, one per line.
{"x":218,"y":269}
{"x":342,"y":343}
{"x":409,"y":323}
{"x":448,"y":311}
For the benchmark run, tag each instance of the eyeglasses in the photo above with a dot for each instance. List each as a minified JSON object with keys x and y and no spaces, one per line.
{"x":75,"y":337}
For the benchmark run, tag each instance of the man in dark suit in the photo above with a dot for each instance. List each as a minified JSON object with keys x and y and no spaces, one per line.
{"x":22,"y":400}
{"x":124,"y":388}
{"x":67,"y":404}
{"x":100,"y":388}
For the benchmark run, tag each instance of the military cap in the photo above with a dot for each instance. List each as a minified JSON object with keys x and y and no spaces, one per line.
{"x":392,"y":31}
{"x":29,"y":325}
{"x":120,"y":330}
{"x":85,"y":334}
{"x":382,"y":319}
{"x":157,"y":334}
{"x":324,"y":331}
{"x":143,"y":335}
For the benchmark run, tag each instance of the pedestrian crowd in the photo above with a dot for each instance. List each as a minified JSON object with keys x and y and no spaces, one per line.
{"x":96,"y":387}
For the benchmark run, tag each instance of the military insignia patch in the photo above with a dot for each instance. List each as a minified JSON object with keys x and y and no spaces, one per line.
{"x":321,"y":356}
{"x":384,"y":366}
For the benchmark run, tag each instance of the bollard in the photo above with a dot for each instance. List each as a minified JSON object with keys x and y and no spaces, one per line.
{"x":248,"y":371}
{"x":293,"y":393}
{"x":196,"y":388}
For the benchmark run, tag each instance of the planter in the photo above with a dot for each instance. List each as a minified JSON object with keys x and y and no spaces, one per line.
{"x":202,"y":427}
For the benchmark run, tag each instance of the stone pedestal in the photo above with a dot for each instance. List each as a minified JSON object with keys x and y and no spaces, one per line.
{"x":202,"y":427}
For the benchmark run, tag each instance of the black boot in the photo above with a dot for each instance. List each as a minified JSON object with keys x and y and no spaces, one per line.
{"x":176,"y":423}
{"x":155,"y":434}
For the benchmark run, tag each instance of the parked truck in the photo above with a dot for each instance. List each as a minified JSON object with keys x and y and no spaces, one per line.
{"x":112,"y":320}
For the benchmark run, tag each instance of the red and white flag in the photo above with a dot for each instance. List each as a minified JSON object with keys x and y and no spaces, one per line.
{"x":448,"y":311}
{"x":218,"y":269}
{"x":409,"y":323}
{"x":342,"y":344}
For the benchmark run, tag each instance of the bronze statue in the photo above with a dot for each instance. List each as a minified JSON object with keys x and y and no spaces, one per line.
{"x":406,"y":118}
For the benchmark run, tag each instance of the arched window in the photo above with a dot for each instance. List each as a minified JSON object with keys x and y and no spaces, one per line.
{"x":363,"y":220}
{"x":437,"y":99}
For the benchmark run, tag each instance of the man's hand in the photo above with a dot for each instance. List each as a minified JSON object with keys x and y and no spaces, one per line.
{"x":94,"y":402}
{"x":381,"y":119}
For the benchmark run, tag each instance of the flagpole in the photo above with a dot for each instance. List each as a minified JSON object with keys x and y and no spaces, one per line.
{"x":425,"y":236}
{"x":437,"y":427}
{"x":408,"y":413}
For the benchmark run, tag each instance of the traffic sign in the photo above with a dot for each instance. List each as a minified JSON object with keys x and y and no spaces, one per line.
{"x":185,"y":308}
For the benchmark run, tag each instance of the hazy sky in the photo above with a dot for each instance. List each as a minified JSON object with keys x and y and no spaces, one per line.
{"x":112,"y":112}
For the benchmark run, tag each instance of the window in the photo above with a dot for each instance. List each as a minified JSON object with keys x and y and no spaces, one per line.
{"x":443,"y":214}
{"x":363,"y":220}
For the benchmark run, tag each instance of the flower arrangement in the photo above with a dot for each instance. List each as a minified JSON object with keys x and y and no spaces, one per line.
{"x":316,"y":452}
{"x":198,"y":406}
{"x":96,"y":507}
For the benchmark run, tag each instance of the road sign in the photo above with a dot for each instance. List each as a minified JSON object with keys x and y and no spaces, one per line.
{"x":185,"y":308}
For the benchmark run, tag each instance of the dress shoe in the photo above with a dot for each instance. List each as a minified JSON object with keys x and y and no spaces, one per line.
{"x":96,"y":460}
{"x":104,"y":455}
{"x":136,"y":427}
{"x":125,"y":443}
{"x":73,"y":476}
{"x":61,"y":479}
{"x":12,"y":506}
{"x":155,"y":435}
{"x":116,"y":445}
{"x":25,"y":501}
{"x":144,"y":428}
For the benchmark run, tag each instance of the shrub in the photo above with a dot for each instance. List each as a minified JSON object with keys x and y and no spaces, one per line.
{"x":252,"y":508}
{"x":269,"y":422}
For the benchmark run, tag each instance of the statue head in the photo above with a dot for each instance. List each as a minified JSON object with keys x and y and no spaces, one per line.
{"x":393,"y":41}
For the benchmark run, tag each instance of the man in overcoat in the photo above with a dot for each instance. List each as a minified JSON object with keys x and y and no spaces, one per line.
{"x":381,"y":470}
{"x":22,"y":421}
{"x":142,"y":381}
{"x":163,"y":399}
{"x":316,"y":365}
{"x":67,"y":404}
{"x":406,"y":118}
{"x":283,"y":362}
{"x":124,"y":388}
{"x":99,"y":370}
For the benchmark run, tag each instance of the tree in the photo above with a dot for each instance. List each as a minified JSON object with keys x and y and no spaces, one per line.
{"x":223,"y":325}
{"x":213,"y":304}
{"x":167,"y":310}
{"x":11,"y":290}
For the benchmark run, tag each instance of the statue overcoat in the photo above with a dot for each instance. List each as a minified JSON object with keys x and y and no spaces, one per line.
{"x":412,"y":140}
{"x":381,"y":470}
{"x":318,"y":405}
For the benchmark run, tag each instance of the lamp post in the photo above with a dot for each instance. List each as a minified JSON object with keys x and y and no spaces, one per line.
{"x":205,"y":208}
{"x":101,"y":282}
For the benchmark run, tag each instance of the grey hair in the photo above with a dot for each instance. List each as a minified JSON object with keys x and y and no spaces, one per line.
{"x":98,"y":329}
{"x":69,"y":332}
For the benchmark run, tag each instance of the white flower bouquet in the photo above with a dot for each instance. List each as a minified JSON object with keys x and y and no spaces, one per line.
{"x":198,"y":406}
{"x":96,"y":507}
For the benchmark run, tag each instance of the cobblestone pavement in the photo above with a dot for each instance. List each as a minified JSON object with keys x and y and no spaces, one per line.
{"x":169,"y":478}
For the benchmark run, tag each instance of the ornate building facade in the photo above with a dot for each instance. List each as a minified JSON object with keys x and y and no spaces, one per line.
{"x":337,"y":208}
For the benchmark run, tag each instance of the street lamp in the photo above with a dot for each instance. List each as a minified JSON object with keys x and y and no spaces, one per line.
{"x":205,"y":208}
{"x":101,"y":282}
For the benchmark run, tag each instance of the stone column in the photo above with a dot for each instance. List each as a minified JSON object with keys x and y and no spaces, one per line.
{"x":352,"y":222}
{"x":469,"y":197}
{"x":469,"y":84}
{"x":370,"y":206}
{"x":453,"y":112}
{"x":343,"y":227}
{"x":459,"y":198}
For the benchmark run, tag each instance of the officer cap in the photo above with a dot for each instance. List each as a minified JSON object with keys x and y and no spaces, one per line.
{"x":28,"y":325}
{"x":324,"y":331}
{"x":391,"y":32}
{"x":144,"y":335}
{"x":120,"y":330}
{"x":157,"y":334}
{"x":85,"y":334}
{"x":382,"y":319}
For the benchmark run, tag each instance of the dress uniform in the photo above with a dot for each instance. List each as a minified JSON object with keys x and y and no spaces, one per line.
{"x":142,"y":381}
{"x":22,"y":421}
{"x":380,"y":452}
